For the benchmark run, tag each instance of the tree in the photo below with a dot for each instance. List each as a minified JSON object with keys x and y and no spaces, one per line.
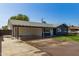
{"x":13,"y":17}
{"x":20,"y":17}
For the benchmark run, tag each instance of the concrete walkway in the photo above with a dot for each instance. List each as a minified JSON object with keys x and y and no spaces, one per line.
{"x":18,"y":48}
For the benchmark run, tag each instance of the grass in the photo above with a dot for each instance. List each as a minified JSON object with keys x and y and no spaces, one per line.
{"x":68,"y":38}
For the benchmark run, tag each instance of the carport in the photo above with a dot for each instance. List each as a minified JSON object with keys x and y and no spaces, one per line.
{"x":23,"y":32}
{"x":24,"y":29}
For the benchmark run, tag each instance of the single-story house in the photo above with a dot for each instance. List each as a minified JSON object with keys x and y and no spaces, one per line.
{"x":73,"y":29}
{"x":62,"y":29}
{"x":27,"y":29}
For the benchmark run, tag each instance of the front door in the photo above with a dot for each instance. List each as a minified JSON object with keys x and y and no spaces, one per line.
{"x":54,"y":31}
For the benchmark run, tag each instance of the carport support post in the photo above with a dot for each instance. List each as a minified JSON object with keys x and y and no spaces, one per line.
{"x":17,"y":29}
{"x":13,"y":31}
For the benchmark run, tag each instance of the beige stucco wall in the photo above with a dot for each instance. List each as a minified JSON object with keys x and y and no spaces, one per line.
{"x":30,"y":31}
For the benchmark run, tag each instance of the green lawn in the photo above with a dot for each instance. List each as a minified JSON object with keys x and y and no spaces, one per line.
{"x":68,"y":38}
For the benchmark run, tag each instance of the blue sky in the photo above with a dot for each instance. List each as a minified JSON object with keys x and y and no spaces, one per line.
{"x":53,"y":13}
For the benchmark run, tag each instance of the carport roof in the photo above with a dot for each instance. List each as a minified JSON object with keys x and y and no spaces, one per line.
{"x":27,"y":23}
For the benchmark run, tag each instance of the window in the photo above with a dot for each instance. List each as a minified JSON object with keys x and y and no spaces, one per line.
{"x":65,"y":29}
{"x":59,"y":29}
{"x":46,"y":30}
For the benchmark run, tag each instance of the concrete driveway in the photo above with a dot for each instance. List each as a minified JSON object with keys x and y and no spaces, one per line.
{"x":56,"y":48}
{"x":18,"y":48}
{"x":41,"y":47}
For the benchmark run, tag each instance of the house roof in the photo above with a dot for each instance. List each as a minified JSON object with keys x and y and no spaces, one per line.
{"x":27,"y":23}
{"x":73,"y":27}
{"x":65,"y":25}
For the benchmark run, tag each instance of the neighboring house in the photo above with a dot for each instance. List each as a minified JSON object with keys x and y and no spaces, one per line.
{"x":21,"y":29}
{"x":61,"y":30}
{"x":73,"y":29}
